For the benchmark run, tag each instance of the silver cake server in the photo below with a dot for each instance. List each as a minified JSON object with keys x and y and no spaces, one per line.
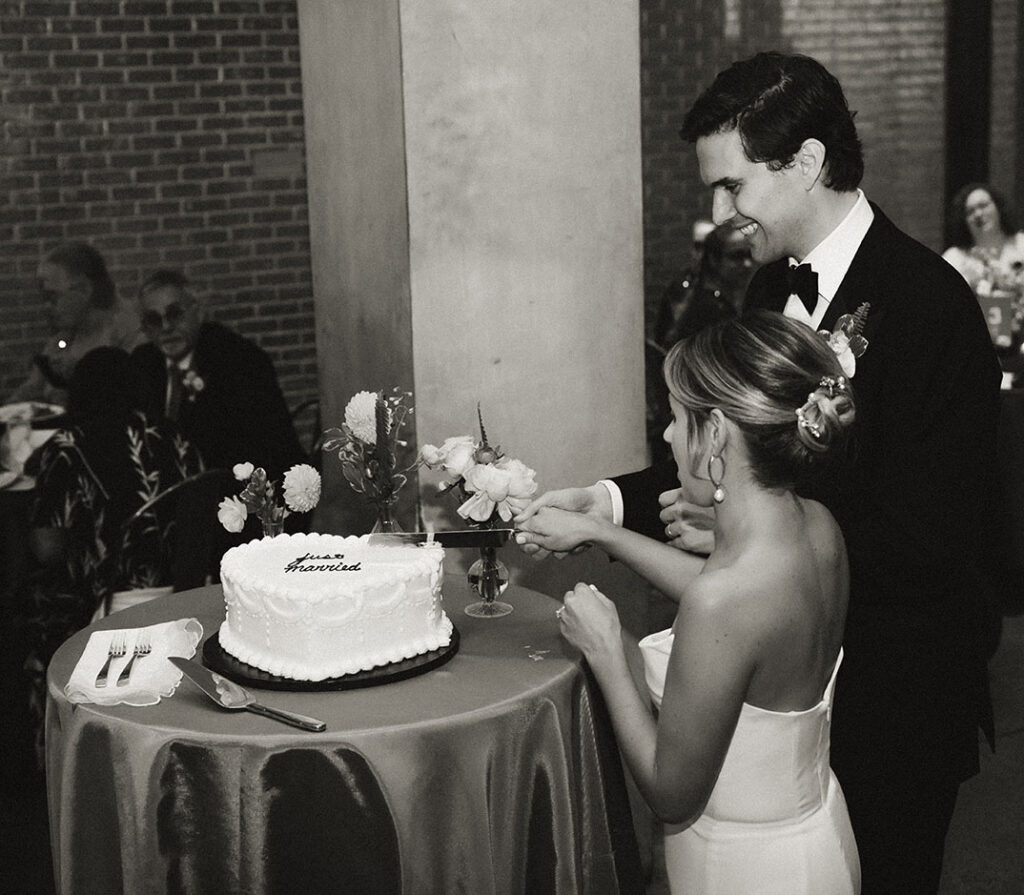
{"x":228,"y":695}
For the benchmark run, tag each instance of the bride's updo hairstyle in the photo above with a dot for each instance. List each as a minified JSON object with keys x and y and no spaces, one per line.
{"x":777,"y":380}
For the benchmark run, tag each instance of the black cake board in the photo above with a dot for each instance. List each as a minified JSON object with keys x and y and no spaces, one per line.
{"x":217,"y":659}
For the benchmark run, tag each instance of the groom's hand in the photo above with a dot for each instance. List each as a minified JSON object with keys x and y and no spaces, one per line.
{"x":593,"y":501}
{"x":687,"y":526}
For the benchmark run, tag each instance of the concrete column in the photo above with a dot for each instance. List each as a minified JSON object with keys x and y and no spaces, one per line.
{"x":475,"y":208}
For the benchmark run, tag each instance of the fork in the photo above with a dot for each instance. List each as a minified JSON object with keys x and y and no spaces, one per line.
{"x":118,"y":647}
{"x":142,"y":649}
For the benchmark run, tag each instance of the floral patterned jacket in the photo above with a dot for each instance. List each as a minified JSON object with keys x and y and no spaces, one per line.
{"x":91,"y":483}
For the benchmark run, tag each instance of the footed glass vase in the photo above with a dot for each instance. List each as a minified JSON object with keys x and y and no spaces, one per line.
{"x":386,"y":520}
{"x":488,"y":576}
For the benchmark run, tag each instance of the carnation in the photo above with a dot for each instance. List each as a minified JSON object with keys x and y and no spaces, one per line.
{"x":361,"y":416}
{"x":301,"y":488}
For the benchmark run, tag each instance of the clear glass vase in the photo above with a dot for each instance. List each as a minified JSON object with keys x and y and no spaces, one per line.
{"x":386,"y":520}
{"x":272,"y":527}
{"x":488,"y":576}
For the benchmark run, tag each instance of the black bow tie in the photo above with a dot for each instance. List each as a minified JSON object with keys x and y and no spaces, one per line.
{"x":803,"y":282}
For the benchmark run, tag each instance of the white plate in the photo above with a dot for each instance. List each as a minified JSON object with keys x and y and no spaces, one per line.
{"x":33,"y":411}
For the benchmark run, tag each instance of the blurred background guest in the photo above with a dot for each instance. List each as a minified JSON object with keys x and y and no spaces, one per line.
{"x":84,"y":313}
{"x":713,"y":292}
{"x":96,"y":551}
{"x":220,"y":388}
{"x":982,"y":234}
{"x":988,"y":250}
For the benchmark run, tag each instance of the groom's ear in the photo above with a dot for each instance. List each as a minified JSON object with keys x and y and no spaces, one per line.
{"x":810,"y":161}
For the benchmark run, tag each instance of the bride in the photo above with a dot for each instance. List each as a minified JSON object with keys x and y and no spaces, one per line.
{"x":733,"y":756}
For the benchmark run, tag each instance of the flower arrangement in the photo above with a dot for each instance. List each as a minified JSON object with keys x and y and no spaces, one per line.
{"x":492,"y":487}
{"x":846,"y":339}
{"x":300,"y":489}
{"x":367,"y":445}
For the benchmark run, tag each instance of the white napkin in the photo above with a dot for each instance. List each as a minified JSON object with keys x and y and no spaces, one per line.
{"x":152,"y":678}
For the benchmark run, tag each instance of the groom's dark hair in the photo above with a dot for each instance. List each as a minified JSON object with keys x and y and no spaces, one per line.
{"x":776,"y":101}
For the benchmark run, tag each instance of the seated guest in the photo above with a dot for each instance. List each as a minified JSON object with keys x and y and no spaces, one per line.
{"x":219,"y":387}
{"x":984,"y":242}
{"x":91,"y":479}
{"x":84,"y":313}
{"x":987,"y":249}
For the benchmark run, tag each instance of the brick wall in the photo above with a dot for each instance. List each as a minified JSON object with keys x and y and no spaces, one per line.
{"x":170,"y":134}
{"x":889,"y":57}
{"x":166,"y":134}
{"x":1007,"y":70}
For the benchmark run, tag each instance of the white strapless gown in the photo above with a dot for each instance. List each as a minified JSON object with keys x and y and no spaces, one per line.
{"x":776,"y":821}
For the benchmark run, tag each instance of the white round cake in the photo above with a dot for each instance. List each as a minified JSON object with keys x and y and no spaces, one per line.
{"x":311,"y":606}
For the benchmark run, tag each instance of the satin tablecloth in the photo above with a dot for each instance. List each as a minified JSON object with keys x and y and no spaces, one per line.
{"x":496,"y":773}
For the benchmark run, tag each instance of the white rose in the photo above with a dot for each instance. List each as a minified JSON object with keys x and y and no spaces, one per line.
{"x":430,"y":455}
{"x":301,"y":488}
{"x":231,"y":513}
{"x":361,"y":416}
{"x":242,"y":471}
{"x":455,"y":455}
{"x":521,"y":478}
{"x":490,"y":479}
{"x":458,"y":455}
{"x":479,"y":507}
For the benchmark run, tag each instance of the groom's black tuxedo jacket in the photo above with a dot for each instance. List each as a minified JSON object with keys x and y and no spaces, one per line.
{"x":914,"y":502}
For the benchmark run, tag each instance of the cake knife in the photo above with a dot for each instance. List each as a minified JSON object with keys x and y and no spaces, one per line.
{"x":469,"y":537}
{"x":228,"y":695}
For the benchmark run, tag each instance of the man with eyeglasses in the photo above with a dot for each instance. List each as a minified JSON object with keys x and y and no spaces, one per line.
{"x":220,"y":388}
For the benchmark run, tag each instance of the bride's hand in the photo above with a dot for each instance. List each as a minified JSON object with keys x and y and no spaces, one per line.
{"x":593,"y":501}
{"x":687,"y":526}
{"x":556,"y":531}
{"x":590,"y":622}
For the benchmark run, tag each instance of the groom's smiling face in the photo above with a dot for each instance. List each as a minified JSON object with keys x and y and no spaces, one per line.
{"x":766,"y":207}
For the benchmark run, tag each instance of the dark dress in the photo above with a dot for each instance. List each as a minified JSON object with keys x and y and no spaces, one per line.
{"x":90,"y":481}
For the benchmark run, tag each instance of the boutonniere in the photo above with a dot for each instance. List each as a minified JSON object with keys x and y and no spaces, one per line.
{"x":193,"y":384}
{"x":846,"y":338}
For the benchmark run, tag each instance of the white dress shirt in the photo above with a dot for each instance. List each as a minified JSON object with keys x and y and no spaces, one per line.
{"x":831,"y":259}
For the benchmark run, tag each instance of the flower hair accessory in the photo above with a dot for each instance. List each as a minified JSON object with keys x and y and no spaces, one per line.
{"x":846,"y":339}
{"x":808,"y":417}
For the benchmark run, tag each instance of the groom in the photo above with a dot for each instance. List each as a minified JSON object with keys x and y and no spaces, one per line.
{"x":776,"y":144}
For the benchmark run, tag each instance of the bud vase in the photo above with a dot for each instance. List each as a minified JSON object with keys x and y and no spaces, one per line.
{"x":272,"y":527}
{"x":386,"y":520}
{"x":488,"y":576}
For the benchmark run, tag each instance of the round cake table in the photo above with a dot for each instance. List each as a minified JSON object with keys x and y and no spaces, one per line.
{"x":494,"y":773}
